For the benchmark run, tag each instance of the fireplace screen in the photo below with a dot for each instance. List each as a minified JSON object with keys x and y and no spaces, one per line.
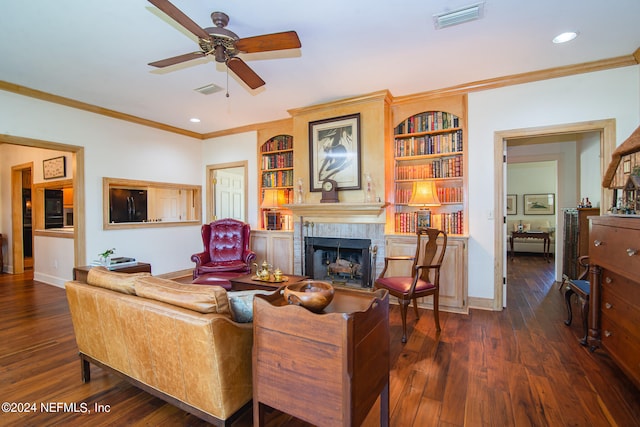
{"x":338,"y":260}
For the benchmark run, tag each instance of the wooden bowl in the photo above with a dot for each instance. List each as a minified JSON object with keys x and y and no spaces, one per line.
{"x":313,"y":295}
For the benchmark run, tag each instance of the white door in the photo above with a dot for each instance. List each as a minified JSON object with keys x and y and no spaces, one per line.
{"x":228,"y":193}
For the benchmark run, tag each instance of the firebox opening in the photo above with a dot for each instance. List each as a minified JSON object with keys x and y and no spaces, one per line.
{"x":339,"y":260}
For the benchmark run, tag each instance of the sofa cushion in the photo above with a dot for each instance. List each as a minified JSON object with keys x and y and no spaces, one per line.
{"x":119,"y":282}
{"x":200,"y":298}
{"x":241,"y":303}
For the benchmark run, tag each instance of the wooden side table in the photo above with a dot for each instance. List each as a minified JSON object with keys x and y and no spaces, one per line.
{"x":542,"y":235}
{"x":327,"y":369}
{"x":80,"y":273}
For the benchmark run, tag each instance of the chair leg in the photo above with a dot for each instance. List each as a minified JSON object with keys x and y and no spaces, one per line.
{"x":415,"y":308}
{"x":436,"y":311}
{"x":403,"y":313}
{"x":567,"y":299}
{"x":585,"y":320}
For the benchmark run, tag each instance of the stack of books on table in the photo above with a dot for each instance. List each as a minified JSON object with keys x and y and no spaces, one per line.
{"x":115,"y":263}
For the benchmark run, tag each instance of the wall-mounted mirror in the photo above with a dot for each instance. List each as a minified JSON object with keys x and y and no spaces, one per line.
{"x":131,"y":204}
{"x":226,"y":191}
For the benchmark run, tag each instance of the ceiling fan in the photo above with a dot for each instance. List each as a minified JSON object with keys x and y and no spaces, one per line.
{"x":224,"y":44}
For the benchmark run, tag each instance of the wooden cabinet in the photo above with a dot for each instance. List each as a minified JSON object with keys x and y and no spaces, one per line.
{"x":614,"y":254}
{"x":576,"y":239}
{"x":276,"y":173}
{"x":276,"y":247}
{"x":453,"y":277}
{"x":430,"y":146}
{"x":327,"y":369}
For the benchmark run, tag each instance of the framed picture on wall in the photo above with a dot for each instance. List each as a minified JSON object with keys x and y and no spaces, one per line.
{"x":512,"y":204}
{"x":334,"y":152}
{"x":539,"y":204}
{"x":54,"y":168}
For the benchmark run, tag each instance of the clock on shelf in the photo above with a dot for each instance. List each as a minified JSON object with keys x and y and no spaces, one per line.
{"x":329,"y":191}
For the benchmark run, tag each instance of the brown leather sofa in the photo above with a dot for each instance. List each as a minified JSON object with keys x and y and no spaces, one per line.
{"x":175,"y":341}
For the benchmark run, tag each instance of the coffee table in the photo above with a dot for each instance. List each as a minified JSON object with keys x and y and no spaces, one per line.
{"x":246,"y":282}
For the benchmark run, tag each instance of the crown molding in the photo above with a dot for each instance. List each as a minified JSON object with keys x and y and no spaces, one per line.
{"x":514,"y":79}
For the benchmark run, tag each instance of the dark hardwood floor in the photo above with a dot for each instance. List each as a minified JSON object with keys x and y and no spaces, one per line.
{"x":518,"y":367}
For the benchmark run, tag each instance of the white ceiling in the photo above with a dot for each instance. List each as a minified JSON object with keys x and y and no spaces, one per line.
{"x":97,"y":51}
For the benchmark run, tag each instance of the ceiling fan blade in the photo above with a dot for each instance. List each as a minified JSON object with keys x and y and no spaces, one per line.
{"x":267,"y":42}
{"x":182,"y":19}
{"x":246,"y":74}
{"x":177,"y":59}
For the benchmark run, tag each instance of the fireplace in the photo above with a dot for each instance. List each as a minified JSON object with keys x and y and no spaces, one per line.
{"x":342,"y":261}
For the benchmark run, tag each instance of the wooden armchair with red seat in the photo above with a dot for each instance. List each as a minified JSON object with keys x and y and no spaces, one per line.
{"x":226,"y":253}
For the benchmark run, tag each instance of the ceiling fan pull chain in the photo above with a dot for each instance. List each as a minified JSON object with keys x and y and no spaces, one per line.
{"x":227,"y":66}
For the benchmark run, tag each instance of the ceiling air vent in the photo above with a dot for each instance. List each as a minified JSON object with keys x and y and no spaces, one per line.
{"x":458,"y":16}
{"x":208,"y":89}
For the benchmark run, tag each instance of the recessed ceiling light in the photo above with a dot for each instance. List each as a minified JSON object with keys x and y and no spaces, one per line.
{"x":565,"y":37}
{"x":194,"y":120}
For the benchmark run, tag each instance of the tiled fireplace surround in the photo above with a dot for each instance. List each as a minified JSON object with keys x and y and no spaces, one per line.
{"x":344,"y":230}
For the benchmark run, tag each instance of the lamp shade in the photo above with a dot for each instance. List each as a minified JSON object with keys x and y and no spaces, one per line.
{"x":424,"y":194}
{"x":272,"y":198}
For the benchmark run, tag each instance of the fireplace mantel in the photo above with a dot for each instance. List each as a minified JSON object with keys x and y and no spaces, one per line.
{"x":341,"y":211}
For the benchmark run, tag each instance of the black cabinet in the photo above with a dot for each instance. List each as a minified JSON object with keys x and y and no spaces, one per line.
{"x":576,"y":239}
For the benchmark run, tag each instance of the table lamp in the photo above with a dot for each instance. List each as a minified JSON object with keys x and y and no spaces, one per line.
{"x":271,"y":201}
{"x":424,"y":194}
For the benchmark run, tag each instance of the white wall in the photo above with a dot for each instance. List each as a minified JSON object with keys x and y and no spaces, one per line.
{"x":592,"y":96}
{"x":118,"y":149}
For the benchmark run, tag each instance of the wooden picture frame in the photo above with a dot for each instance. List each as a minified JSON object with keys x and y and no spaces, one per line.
{"x":539,"y":204}
{"x":55,"y":167}
{"x":334,"y":152}
{"x":512,"y":204}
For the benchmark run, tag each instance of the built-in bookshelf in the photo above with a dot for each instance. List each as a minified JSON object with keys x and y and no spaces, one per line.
{"x":276,"y":172}
{"x":430,"y":146}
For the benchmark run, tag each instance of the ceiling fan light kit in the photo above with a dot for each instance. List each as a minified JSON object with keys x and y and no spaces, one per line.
{"x":224,"y":44}
{"x":458,"y":16}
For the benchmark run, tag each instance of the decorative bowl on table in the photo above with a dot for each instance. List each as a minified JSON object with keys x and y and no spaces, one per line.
{"x":313,"y":295}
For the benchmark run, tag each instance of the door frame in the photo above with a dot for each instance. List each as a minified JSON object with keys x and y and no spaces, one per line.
{"x":77,"y":166}
{"x":607,"y":130}
{"x":211,"y":171}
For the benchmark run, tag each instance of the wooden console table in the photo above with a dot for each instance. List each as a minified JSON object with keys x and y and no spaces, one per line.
{"x":80,"y":273}
{"x":543,"y":235}
{"x":327,"y":369}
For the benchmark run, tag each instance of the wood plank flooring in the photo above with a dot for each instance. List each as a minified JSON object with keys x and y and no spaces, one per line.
{"x":518,"y":367}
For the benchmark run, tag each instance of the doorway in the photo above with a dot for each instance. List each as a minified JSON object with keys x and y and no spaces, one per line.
{"x":606,"y":130}
{"x":226,"y":191}
{"x":16,"y":260}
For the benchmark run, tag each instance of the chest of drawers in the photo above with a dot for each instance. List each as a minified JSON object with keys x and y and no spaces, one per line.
{"x":614,"y":255}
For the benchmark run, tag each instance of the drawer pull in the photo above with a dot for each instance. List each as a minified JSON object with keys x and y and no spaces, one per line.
{"x":632,"y":252}
{"x":608,"y":280}
{"x":608,"y":306}
{"x":597,"y":243}
{"x":607,"y":334}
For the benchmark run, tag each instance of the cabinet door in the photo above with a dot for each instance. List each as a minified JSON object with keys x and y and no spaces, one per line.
{"x":259,"y":245}
{"x":281,"y":252}
{"x":275,"y":247}
{"x":452,"y":274}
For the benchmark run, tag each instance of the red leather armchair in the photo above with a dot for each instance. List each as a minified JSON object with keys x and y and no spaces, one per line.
{"x":226,"y":249}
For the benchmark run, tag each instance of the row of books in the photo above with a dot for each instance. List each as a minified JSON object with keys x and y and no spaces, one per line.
{"x":277,"y":161}
{"x":277,"y":179}
{"x":428,"y":121}
{"x":438,"y":168}
{"x":277,"y":143}
{"x":409,"y":222}
{"x":429,"y":144}
{"x":445,"y":195}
